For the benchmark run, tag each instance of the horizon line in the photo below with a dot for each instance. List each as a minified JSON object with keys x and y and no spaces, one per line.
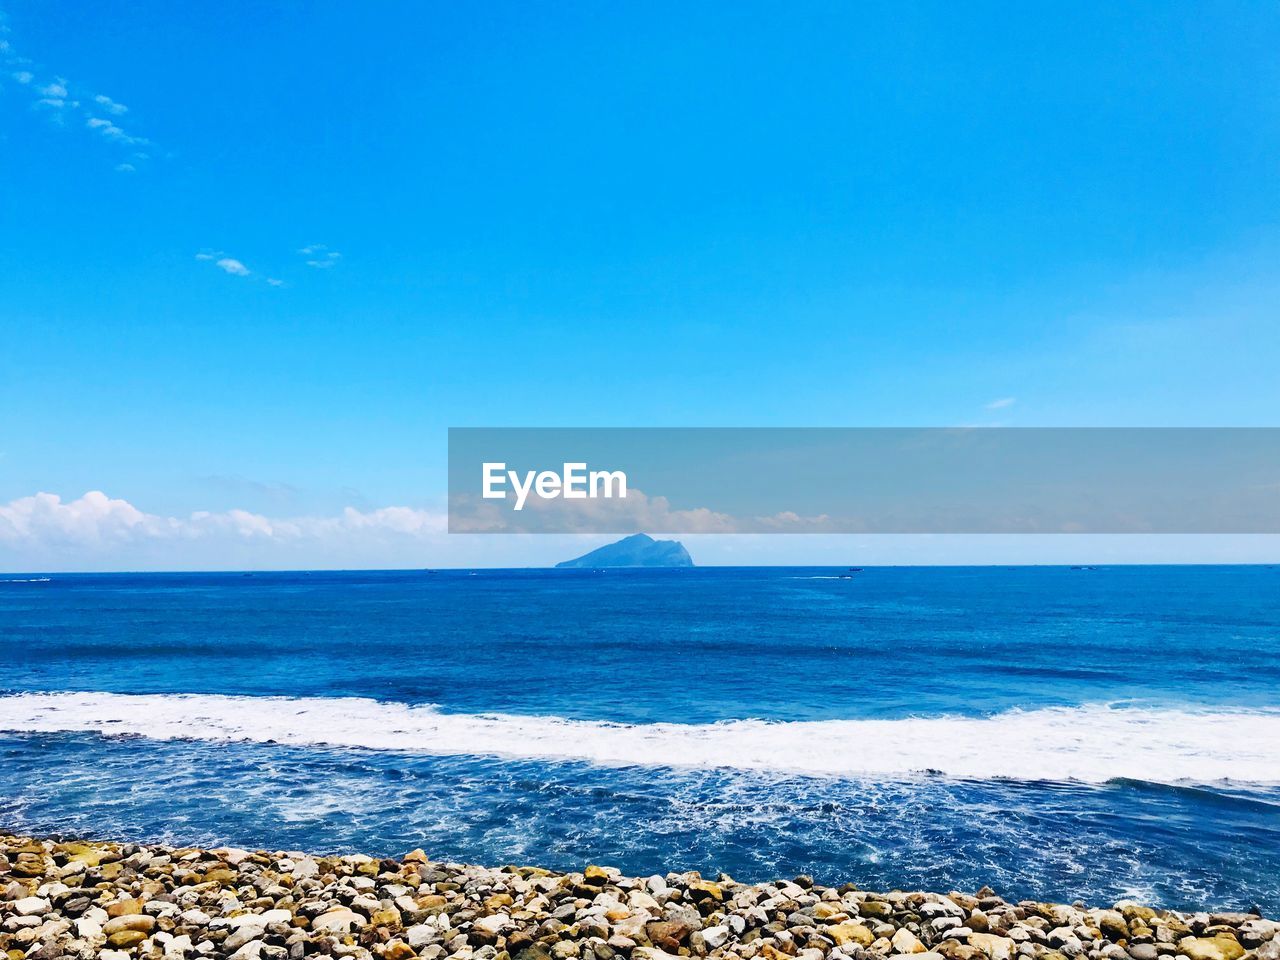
{"x":1099,"y":565}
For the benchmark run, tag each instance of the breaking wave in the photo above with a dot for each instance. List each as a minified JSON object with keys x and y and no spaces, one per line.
{"x":1092,"y":743}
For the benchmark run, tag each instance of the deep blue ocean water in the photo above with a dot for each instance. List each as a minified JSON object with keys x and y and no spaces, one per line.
{"x":1056,"y":733}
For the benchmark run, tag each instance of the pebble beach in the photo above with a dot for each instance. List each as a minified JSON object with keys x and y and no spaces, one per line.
{"x":118,"y":901}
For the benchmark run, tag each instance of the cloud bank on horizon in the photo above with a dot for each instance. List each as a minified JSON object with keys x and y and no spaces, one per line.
{"x":95,"y":532}
{"x":95,"y":528}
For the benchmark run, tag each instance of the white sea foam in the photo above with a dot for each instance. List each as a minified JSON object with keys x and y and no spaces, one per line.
{"x":1093,"y":743}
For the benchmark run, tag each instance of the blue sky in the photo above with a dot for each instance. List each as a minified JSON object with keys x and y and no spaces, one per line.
{"x":724,"y":214}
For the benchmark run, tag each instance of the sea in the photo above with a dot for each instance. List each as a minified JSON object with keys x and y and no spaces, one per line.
{"x":1055,"y":733}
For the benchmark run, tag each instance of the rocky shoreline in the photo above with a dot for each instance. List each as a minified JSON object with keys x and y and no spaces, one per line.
{"x":83,"y":899}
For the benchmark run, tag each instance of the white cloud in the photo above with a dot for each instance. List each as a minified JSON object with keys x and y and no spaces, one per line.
{"x":320,"y":256}
{"x":638,"y":511}
{"x":97,"y":532}
{"x":109,"y":105}
{"x":59,"y":100}
{"x":46,"y":520}
{"x":1002,"y":403}
{"x":112,"y":132}
{"x":90,"y":519}
{"x":233,"y":266}
{"x":224,"y":263}
{"x":54,"y":97}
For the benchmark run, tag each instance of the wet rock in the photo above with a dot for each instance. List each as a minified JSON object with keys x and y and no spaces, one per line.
{"x":1255,"y":931}
{"x":850,"y":933}
{"x":942,"y":907}
{"x":122,"y":907}
{"x":699,"y":890}
{"x":124,"y":939}
{"x":32,"y":906}
{"x":992,"y":946}
{"x":340,"y":920}
{"x":668,"y":934}
{"x":905,"y":942}
{"x":79,"y":900}
{"x":1220,"y":947}
{"x":134,"y":921}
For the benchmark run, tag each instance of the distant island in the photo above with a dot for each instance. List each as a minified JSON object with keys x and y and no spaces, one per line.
{"x":637,"y":550}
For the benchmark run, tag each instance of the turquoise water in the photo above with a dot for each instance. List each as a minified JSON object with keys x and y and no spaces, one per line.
{"x":1055,"y":733}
